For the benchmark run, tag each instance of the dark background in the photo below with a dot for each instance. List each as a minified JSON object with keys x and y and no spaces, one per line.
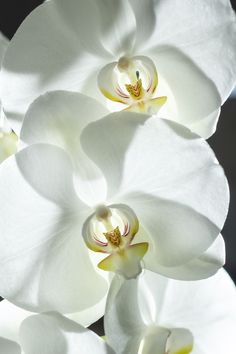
{"x":13,"y":12}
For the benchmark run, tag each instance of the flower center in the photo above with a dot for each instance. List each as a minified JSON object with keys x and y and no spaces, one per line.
{"x":133,"y":82}
{"x":111,"y":230}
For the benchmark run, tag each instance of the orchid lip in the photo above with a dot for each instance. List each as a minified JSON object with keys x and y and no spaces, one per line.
{"x":111,"y":229}
{"x":133,"y":82}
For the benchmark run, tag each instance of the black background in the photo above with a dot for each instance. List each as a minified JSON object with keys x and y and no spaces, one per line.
{"x":13,"y":12}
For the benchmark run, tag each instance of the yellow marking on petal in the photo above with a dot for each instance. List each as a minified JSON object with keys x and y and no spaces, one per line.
{"x":136,"y":91}
{"x":111,"y":97}
{"x":185,"y":350}
{"x":8,"y":144}
{"x":149,"y":106}
{"x":125,"y":261}
{"x":113,"y":237}
{"x":155,"y":81}
{"x":108,"y":263}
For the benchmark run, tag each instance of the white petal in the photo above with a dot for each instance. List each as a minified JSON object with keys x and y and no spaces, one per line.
{"x":155,"y":158}
{"x":202,"y":307}
{"x":9,"y":347}
{"x":58,"y":118}
{"x":145,"y":21}
{"x":52,"y":333}
{"x":11,"y":317}
{"x":207,"y":126}
{"x":176,"y":233}
{"x":192,"y":95}
{"x":204,"y":30}
{"x":206,"y":308}
{"x":118,"y":26}
{"x":122,"y":321}
{"x":198,"y":268}
{"x":65,"y":53}
{"x":42,"y":250}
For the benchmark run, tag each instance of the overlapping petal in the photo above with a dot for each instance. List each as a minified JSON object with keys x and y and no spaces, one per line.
{"x":64,"y":57}
{"x":157,"y":177}
{"x":9,"y":347}
{"x":41,"y":220}
{"x":199,"y":307}
{"x":58,"y":118}
{"x":204,"y":30}
{"x":52,"y":333}
{"x":80,"y":38}
{"x":191,"y":96}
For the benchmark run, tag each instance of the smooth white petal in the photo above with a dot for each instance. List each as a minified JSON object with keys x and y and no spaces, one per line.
{"x":42,"y":250}
{"x":58,"y":118}
{"x":65,"y":53}
{"x":207,"y":126}
{"x":198,"y":268}
{"x":118,"y":26}
{"x":176,"y":233}
{"x":122,"y":321}
{"x":52,"y":333}
{"x":191,"y":95}
{"x":139,"y":159}
{"x":204,"y":30}
{"x":9,"y":347}
{"x":145,"y":20}
{"x":11,"y":317}
{"x":207,"y":308}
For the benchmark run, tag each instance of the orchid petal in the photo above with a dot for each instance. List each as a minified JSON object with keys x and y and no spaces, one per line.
{"x":204,"y":266}
{"x":9,"y":347}
{"x":58,"y":118}
{"x":202,"y":309}
{"x":41,"y":243}
{"x":66,"y":56}
{"x":118,"y":26}
{"x":203,"y":30}
{"x":11,"y":317}
{"x":52,"y":333}
{"x":176,"y":233}
{"x":145,"y":20}
{"x":193,"y":96}
{"x":145,"y":169}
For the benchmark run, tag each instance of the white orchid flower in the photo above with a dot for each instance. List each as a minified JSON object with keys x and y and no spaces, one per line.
{"x":51,"y":333}
{"x":141,"y":55}
{"x":153,"y":314}
{"x":119,"y":194}
{"x":8,"y":139}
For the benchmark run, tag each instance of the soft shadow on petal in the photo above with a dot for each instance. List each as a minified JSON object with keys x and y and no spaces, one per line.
{"x":9,"y":347}
{"x":205,"y":31}
{"x":195,"y":96}
{"x":52,"y":333}
{"x":42,"y":250}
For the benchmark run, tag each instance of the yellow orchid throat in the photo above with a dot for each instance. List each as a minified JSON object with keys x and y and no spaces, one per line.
{"x":132,"y":82}
{"x":111,"y":230}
